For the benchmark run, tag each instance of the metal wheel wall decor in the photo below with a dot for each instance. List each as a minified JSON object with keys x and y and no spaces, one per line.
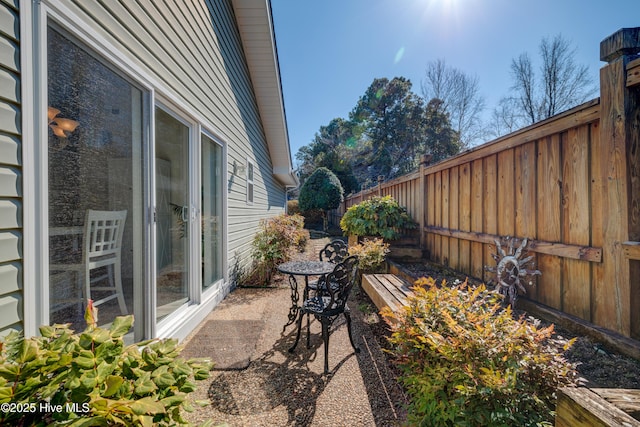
{"x":511,"y":268}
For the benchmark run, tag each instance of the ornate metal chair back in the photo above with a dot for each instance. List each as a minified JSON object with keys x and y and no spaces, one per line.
{"x":334,"y":251}
{"x":339,"y":284}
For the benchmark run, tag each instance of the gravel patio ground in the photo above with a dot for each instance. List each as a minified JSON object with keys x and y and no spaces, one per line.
{"x":268,"y":386}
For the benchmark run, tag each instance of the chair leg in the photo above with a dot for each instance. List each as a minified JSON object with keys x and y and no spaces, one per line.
{"x":347,"y":316}
{"x":325,"y":339}
{"x":308,"y":331}
{"x":86,"y":278}
{"x":83,"y":297}
{"x":118,"y":285}
{"x":299,"y":322}
{"x":306,"y":297}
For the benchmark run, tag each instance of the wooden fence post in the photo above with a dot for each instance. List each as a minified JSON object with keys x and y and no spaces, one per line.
{"x":616,"y":300}
{"x":424,"y":162}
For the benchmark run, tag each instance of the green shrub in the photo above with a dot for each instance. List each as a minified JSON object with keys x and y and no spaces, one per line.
{"x":371,"y":255}
{"x":93,"y":379}
{"x":378,"y":216}
{"x":272,"y":245}
{"x":466,"y":361}
{"x":321,"y":190}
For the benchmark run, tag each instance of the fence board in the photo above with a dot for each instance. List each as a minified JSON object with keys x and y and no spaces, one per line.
{"x":454,"y":216}
{"x":445,"y":216}
{"x":464,"y":205}
{"x":562,"y":250}
{"x":549,"y":180}
{"x":438,"y":217}
{"x":525,"y":226}
{"x":575,"y":228}
{"x":506,"y":193}
{"x":614,"y":203}
{"x":490,"y":212}
{"x":430,"y":213}
{"x":477,"y":259}
{"x":603,"y":310}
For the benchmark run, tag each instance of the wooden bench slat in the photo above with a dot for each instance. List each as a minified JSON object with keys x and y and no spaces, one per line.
{"x":379,"y":294}
{"x":579,"y":406}
{"x":400,"y":284}
{"x":386,"y":290}
{"x":393,"y":286}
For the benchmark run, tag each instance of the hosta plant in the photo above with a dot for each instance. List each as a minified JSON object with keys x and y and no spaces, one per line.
{"x":93,"y":379}
{"x":466,"y":361}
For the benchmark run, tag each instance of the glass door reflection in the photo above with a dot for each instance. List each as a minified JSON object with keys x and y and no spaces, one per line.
{"x":95,"y":189}
{"x":172,"y":213}
{"x":212,"y":251}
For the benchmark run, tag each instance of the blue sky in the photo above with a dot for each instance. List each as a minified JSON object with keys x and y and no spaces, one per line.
{"x":331,"y":50}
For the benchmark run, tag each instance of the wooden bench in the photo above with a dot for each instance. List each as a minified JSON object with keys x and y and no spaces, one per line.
{"x":386,"y":290}
{"x":597,"y":407}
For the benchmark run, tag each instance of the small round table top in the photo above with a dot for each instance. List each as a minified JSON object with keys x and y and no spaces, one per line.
{"x":306,"y":268}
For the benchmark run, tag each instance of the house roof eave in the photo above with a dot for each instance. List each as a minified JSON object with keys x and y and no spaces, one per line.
{"x":255,"y":25}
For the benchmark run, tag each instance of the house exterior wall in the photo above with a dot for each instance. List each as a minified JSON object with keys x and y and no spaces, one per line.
{"x":193,"y":57}
{"x":10,"y":171}
{"x":196,"y":52}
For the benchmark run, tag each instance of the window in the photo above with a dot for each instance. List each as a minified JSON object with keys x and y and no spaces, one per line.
{"x":94,"y":165}
{"x":250,"y":184}
{"x":212,"y":204}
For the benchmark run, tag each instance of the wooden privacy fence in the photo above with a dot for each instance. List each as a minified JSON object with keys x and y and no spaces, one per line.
{"x":570,"y":184}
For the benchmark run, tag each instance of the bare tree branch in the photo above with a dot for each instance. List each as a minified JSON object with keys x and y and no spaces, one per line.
{"x":562,"y":84}
{"x":460,"y":96}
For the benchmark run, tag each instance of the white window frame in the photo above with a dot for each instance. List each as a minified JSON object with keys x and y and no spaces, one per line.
{"x":216,"y":287}
{"x":250,"y":181}
{"x":169,"y":108}
{"x":37,"y":16}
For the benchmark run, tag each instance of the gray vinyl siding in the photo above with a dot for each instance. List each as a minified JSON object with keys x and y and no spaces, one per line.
{"x":196,"y":53}
{"x":11,"y":307}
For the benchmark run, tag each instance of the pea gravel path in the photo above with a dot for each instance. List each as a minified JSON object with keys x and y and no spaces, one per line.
{"x":276,"y":388}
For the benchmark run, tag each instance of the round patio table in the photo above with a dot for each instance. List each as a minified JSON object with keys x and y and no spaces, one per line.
{"x":306,"y":269}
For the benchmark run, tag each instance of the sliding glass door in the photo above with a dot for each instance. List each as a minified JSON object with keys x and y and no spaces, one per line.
{"x":95,"y":121}
{"x":212,"y":208}
{"x":173,"y":213}
{"x":135,"y":196}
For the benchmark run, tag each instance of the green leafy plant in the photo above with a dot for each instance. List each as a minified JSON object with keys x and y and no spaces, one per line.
{"x":466,"y":361}
{"x":378,"y":216}
{"x":273,"y":244}
{"x":371,"y":255}
{"x":92,"y":379}
{"x":321,"y":190}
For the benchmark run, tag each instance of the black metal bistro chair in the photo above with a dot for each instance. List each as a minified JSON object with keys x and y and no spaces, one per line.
{"x":329,"y":302}
{"x":335,"y":251}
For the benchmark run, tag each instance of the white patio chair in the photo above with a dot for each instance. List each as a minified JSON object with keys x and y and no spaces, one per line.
{"x":101,"y":247}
